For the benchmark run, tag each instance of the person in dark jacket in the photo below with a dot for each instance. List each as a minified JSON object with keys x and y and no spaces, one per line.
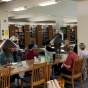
{"x":48,"y":46}
{"x":57,"y":45}
{"x":75,"y":48}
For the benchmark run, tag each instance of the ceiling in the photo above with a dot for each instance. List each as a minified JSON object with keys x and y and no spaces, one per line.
{"x":36,"y":14}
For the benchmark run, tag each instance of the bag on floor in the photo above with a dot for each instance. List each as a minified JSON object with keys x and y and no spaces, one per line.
{"x":61,"y":82}
{"x":53,"y":84}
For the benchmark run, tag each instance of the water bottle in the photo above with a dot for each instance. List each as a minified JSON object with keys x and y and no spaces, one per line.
{"x":18,"y":58}
{"x":19,"y":64}
{"x":39,"y":58}
{"x":35,"y":59}
{"x":47,"y":58}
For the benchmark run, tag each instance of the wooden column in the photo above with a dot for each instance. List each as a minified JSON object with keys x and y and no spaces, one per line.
{"x":26,"y":35}
{"x":12,"y":30}
{"x":50,"y":32}
{"x":39,"y":36}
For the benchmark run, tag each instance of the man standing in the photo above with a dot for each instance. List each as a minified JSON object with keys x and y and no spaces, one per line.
{"x":57,"y":42}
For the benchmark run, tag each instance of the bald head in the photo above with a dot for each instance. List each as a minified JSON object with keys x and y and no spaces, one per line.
{"x":57,"y":31}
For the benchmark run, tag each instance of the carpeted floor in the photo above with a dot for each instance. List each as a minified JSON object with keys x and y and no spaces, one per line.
{"x":77,"y":84}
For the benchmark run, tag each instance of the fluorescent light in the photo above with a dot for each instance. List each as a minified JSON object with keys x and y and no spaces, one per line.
{"x":6,"y":0}
{"x":48,"y":3}
{"x":19,"y":9}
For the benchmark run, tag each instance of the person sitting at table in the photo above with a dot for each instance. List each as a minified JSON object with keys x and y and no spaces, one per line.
{"x":5,"y":56}
{"x":84,"y":54}
{"x":75,"y":48}
{"x":16,"y":52}
{"x":83,"y":49}
{"x":67,"y":65}
{"x":48,"y":47}
{"x":5,"y":59}
{"x":31,"y":42}
{"x":30,"y":53}
{"x":50,"y":51}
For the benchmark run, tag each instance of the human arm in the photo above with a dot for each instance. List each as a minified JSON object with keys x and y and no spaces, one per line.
{"x":67,"y":66}
{"x":81,"y":55}
{"x":48,"y":48}
{"x":68,"y":62}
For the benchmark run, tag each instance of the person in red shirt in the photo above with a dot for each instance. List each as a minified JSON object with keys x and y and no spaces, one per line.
{"x":30,"y":53}
{"x":68,"y":64}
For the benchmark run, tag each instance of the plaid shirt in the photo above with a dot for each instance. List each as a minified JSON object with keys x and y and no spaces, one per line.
{"x":3,"y":59}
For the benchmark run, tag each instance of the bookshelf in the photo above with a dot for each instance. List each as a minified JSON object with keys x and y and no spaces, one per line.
{"x":39,"y":35}
{"x":22,"y":32}
{"x":50,"y":32}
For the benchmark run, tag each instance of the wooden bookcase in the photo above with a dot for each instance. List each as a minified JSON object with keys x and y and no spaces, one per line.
{"x":23,"y":35}
{"x":12,"y":30}
{"x":26,"y":35}
{"x":75,"y":29}
{"x":72,"y":33}
{"x":50,"y":32}
{"x":39,"y":35}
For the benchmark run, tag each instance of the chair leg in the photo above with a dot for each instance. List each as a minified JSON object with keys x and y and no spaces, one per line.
{"x":18,"y":81}
{"x":81,"y":81}
{"x":72,"y":83}
{"x":31,"y":86}
{"x":44,"y":85}
{"x":21,"y":84}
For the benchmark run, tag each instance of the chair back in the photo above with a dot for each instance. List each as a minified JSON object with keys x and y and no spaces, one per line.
{"x":5,"y":78}
{"x":39,"y":73}
{"x":85,"y":62}
{"x":77,"y":67}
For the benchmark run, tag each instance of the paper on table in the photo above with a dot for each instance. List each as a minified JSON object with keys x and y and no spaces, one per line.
{"x":14,"y":63}
{"x":64,"y":57}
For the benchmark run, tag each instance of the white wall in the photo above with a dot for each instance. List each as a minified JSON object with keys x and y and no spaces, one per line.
{"x":82,"y":16}
{"x":4,"y":24}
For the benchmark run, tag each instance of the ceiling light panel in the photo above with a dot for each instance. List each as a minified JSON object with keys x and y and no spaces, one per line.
{"x":19,"y":9}
{"x":6,"y":0}
{"x":50,"y":2}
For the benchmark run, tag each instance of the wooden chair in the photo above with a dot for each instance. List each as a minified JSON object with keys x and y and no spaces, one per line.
{"x":38,"y":76}
{"x":76,"y":72}
{"x":5,"y":78}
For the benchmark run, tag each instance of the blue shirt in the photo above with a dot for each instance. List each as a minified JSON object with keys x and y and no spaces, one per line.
{"x":35,"y":46}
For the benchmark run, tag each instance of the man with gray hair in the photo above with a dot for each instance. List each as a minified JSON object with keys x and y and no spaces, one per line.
{"x":57,"y":43}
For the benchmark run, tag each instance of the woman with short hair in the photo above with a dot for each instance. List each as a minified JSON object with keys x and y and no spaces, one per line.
{"x":68,"y":64}
{"x":84,"y":51}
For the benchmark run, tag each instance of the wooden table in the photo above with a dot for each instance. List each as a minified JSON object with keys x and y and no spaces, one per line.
{"x":28,"y":65}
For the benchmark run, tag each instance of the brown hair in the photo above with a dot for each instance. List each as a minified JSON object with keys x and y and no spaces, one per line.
{"x":30,"y":46}
{"x":67,"y":48}
{"x":82,"y":46}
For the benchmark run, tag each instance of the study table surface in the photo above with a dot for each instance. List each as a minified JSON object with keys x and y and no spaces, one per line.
{"x":28,"y":65}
